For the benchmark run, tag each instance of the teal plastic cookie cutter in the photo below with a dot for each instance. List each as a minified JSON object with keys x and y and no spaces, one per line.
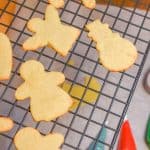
{"x":99,"y":145}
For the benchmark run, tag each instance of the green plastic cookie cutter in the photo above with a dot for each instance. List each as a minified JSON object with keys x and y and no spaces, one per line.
{"x":147,"y":135}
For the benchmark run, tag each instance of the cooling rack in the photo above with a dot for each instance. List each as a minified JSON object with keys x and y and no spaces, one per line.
{"x":81,"y":126}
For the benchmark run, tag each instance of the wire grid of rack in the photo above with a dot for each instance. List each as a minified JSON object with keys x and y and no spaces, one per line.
{"x":81,"y":126}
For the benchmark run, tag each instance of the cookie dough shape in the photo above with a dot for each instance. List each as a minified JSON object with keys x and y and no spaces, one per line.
{"x":57,"y":3}
{"x":89,"y":3}
{"x":60,"y":3}
{"x":6,"y":124}
{"x":51,"y":32}
{"x":115,"y":52}
{"x":30,"y":139}
{"x":5,"y":57}
{"x":48,"y":100}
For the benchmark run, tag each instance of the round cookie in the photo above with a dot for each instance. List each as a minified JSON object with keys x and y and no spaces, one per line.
{"x":117,"y":57}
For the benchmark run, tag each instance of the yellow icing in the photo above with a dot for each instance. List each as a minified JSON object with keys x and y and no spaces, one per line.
{"x":78,"y":91}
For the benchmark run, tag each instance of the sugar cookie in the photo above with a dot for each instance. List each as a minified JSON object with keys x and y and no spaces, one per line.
{"x":89,"y":3}
{"x":5,"y":57}
{"x":48,"y":100}
{"x":30,"y":139}
{"x":57,"y":3}
{"x":116,"y":53}
{"x":60,"y":3}
{"x":51,"y":32}
{"x":6,"y":124}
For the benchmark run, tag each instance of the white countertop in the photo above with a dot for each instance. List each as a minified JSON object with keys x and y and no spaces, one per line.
{"x":139,"y":110}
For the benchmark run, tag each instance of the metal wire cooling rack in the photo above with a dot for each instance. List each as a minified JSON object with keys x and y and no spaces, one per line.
{"x":81,"y":126}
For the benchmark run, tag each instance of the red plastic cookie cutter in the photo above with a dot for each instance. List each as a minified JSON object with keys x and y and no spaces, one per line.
{"x":126,"y":140}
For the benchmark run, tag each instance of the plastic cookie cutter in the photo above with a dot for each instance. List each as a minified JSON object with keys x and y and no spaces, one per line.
{"x":126,"y":139}
{"x":102,"y":138}
{"x":146,"y":81}
{"x":147,"y":134}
